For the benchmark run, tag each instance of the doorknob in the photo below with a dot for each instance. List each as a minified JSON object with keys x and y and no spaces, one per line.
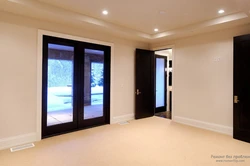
{"x":236,"y":99}
{"x":137,"y":92}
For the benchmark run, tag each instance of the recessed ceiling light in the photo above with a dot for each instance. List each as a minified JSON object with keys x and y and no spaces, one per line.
{"x":221,"y":11}
{"x":156,"y":30}
{"x":105,"y":12}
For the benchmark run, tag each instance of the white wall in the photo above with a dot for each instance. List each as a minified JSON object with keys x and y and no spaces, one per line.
{"x":18,"y":80}
{"x":18,"y":72}
{"x":203,"y":87}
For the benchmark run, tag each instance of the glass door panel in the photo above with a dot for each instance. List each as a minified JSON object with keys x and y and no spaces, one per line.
{"x":93,"y":83}
{"x":60,"y":84}
{"x":160,"y":83}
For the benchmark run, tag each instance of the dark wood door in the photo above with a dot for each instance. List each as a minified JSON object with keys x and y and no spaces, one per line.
{"x":58,"y":85}
{"x":76,"y":85}
{"x":242,"y":88}
{"x":145,"y":87}
{"x":94,"y":85}
{"x":160,"y":83}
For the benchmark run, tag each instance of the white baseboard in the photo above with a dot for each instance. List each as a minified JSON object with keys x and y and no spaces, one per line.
{"x":18,"y":140}
{"x":204,"y":125}
{"x":123,"y":118}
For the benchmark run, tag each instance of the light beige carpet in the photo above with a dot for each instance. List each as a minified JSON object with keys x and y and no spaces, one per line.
{"x":148,"y":142}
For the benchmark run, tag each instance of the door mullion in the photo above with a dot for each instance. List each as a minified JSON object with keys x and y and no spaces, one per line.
{"x":79,"y":82}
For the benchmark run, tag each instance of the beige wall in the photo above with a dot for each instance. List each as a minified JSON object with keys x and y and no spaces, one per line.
{"x":18,"y":80}
{"x":18,"y":72}
{"x":203,"y":87}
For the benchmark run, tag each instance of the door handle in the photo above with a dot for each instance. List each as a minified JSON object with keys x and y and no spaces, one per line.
{"x":137,"y":92}
{"x":236,"y":99}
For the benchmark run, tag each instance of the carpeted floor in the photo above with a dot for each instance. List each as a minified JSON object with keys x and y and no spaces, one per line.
{"x":148,"y":142}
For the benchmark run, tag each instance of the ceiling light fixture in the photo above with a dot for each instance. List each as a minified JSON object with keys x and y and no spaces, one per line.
{"x":162,"y":12}
{"x":156,"y":30}
{"x":105,"y":12}
{"x":221,"y":11}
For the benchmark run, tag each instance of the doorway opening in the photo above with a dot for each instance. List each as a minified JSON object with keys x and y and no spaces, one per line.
{"x":163,"y":83}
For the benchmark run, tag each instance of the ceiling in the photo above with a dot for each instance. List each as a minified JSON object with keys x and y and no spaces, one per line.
{"x":138,"y":18}
{"x":144,"y":16}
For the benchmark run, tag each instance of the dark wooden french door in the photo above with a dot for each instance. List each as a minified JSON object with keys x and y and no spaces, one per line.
{"x":242,"y":88}
{"x":76,"y":85}
{"x":160,"y":83}
{"x":145,"y":84}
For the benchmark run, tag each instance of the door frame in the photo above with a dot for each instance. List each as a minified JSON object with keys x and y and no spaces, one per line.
{"x":165,"y":47}
{"x":39,"y":73}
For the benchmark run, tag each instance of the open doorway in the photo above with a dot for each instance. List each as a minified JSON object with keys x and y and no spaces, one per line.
{"x":163,"y":83}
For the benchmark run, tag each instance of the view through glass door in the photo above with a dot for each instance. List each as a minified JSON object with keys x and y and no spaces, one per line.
{"x":76,"y":85}
{"x":93,"y":83}
{"x":160,"y":83}
{"x":60,"y":84}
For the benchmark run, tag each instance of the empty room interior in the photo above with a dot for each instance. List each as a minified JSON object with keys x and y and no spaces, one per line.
{"x":124,"y":83}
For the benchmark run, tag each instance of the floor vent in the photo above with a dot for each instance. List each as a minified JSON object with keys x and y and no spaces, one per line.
{"x":22,"y":147}
{"x":123,"y":123}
